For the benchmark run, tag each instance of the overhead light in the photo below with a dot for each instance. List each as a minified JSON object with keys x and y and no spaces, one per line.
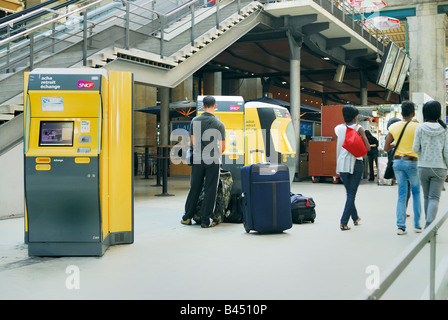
{"x":325,"y":58}
{"x":378,"y":59}
{"x":283,"y":82}
{"x":340,"y":72}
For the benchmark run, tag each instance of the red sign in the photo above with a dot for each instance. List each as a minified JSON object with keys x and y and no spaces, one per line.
{"x":82,"y":84}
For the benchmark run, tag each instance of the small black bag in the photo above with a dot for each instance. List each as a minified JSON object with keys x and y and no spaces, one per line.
{"x":302,"y":208}
{"x":389,"y":173}
{"x":234,"y":213}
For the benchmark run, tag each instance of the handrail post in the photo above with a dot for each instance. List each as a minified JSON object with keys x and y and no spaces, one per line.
{"x":192,"y":26}
{"x":126,"y":44}
{"x":217,"y":14}
{"x":8,"y":34}
{"x":31,"y":52}
{"x":84,"y":39}
{"x":162,"y":26}
{"x":432,"y":267}
{"x":53,"y":31}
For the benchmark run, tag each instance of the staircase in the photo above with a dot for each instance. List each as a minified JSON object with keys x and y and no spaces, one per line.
{"x":181,"y":58}
{"x":156,"y":57}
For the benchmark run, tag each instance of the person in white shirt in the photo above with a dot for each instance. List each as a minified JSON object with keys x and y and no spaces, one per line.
{"x":348,"y":166}
{"x":431,"y":145}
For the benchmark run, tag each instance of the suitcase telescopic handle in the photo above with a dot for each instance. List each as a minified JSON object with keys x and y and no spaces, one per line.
{"x":251,"y":152}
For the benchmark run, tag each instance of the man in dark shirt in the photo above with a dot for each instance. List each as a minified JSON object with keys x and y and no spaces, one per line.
{"x":372,"y":154}
{"x":208,"y":139}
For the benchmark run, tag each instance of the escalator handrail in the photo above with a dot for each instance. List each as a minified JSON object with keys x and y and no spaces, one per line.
{"x":33,"y":12}
{"x":30,"y":30}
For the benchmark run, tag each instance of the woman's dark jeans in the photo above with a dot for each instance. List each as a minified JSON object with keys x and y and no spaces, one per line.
{"x":351,"y":183}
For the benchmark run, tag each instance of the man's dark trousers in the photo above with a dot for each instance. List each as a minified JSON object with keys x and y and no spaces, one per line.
{"x":199,"y":172}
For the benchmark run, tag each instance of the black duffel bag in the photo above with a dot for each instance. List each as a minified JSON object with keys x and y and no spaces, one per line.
{"x":302,"y":208}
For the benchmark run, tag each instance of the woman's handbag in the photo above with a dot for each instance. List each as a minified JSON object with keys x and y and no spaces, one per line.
{"x":389,"y":173}
{"x":354,"y":143}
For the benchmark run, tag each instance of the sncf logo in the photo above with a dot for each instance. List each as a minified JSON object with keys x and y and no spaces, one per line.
{"x":82,"y":84}
{"x":234,"y":108}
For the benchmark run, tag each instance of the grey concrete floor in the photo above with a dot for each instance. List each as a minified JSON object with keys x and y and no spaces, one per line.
{"x":170,"y":261}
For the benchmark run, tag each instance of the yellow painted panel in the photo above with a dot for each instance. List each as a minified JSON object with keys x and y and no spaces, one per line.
{"x":253,"y":137}
{"x":120,"y":112}
{"x":234,"y":124}
{"x":279,"y":136}
{"x":26,"y":216}
{"x":104,"y":158}
{"x":71,"y":104}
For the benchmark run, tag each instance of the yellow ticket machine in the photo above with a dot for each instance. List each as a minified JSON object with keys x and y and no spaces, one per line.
{"x":269,"y":135}
{"x":78,"y":161}
{"x":230,"y":111}
{"x":255,"y":132}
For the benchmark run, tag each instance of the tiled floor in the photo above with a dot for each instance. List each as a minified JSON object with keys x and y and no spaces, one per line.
{"x":171,"y":261}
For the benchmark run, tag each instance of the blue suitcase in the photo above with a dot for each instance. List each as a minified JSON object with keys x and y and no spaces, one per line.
{"x":266,"y":198}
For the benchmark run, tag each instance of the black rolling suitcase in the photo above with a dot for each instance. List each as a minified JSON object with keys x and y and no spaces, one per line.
{"x":266,"y":198}
{"x":302,"y":208}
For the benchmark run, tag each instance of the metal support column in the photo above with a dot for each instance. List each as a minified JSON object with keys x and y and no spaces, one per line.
{"x":164,"y":136}
{"x":364,"y":92}
{"x":295,"y":46}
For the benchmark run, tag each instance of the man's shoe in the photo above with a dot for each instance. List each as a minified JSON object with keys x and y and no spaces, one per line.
{"x":187,"y":221}
{"x":401,"y":231}
{"x":418,"y":230}
{"x":210,"y":225}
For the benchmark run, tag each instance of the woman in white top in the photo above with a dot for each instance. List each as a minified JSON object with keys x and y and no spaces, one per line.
{"x":348,"y":166}
{"x":431,"y":145}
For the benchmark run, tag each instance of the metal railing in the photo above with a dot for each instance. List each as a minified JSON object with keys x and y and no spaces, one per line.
{"x":54,"y":30}
{"x":428,"y":235}
{"x":23,"y":43}
{"x":353,"y":17}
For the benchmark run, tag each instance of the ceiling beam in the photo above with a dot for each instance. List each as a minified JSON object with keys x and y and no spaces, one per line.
{"x":314,"y":28}
{"x":337,"y":42}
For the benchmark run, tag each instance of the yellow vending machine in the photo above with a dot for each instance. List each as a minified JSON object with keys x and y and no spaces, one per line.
{"x":78,"y":126}
{"x":230,"y":111}
{"x":269,"y":135}
{"x":255,"y":132}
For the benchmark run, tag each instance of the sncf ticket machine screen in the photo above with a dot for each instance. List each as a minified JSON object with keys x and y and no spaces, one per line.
{"x":56,"y":133}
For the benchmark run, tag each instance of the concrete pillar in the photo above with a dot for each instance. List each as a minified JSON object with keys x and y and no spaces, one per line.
{"x":427,"y":34}
{"x":295,"y":46}
{"x":145,"y":124}
{"x":234,"y":87}
{"x":364,"y":91}
{"x":213,"y":83}
{"x":252,"y":89}
{"x":183,"y":91}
